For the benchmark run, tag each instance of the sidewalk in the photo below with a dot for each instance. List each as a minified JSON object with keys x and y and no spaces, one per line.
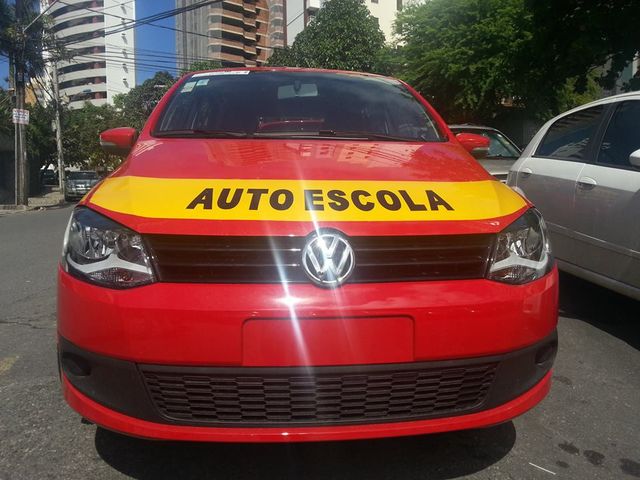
{"x":50,"y":197}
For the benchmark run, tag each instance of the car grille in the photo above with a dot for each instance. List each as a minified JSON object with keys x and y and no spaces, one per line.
{"x":228,"y":259}
{"x":324,"y":396}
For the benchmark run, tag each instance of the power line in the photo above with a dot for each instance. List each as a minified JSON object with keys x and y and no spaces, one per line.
{"x":152,"y":53}
{"x":153,"y":18}
{"x":129,"y":20}
{"x":128,"y":62}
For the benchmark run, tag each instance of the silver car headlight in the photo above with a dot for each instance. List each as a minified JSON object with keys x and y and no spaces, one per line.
{"x":522,"y":253}
{"x":101,"y":251}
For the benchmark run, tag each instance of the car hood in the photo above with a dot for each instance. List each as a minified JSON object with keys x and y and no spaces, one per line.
{"x":290,"y":187}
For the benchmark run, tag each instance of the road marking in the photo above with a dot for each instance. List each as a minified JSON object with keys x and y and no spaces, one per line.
{"x":7,"y":363}
{"x":543,"y":469}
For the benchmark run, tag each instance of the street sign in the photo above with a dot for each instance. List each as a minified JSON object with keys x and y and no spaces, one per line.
{"x":20,"y":116}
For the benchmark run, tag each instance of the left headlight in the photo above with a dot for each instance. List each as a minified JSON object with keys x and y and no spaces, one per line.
{"x":522,"y":252}
{"x":101,"y":251}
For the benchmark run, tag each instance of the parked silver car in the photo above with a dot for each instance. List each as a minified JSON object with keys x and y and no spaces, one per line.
{"x":582,"y":171}
{"x":78,"y":184}
{"x":502,"y":151}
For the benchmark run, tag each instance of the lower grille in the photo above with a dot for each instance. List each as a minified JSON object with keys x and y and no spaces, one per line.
{"x":323,"y":396}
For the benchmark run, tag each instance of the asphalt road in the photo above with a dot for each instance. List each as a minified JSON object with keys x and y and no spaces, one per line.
{"x":587,"y":428}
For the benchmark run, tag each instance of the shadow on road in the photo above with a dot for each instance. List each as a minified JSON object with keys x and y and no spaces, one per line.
{"x":442,"y":456}
{"x":611,"y":312}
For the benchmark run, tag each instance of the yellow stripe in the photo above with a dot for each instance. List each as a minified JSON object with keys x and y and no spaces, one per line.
{"x":170,"y":198}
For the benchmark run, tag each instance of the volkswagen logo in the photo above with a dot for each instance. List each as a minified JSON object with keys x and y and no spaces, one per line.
{"x":328,"y":259}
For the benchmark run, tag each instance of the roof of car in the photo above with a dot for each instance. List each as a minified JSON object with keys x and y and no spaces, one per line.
{"x":601,"y":101}
{"x":288,"y":69}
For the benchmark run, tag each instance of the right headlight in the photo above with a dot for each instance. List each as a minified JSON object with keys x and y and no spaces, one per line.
{"x":100,"y":251}
{"x":522,"y":252}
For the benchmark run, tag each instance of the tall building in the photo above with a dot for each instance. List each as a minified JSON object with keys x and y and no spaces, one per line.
{"x":234,"y":32}
{"x":300,"y":12}
{"x":102,"y":65}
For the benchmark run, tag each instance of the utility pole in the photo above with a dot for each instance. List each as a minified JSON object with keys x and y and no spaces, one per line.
{"x":56,"y":94}
{"x":22,"y":171}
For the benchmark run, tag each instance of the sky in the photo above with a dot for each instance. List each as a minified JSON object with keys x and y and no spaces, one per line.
{"x":155,"y":47}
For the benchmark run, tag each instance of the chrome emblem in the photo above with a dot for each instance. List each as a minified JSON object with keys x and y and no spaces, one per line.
{"x":328,"y":259}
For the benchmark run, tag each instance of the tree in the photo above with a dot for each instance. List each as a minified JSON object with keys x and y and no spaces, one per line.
{"x":6,"y":104}
{"x":343,"y":35}
{"x":572,"y":38}
{"x":137,"y":104}
{"x":201,"y":65}
{"x":471,"y":57}
{"x":41,"y":139}
{"x":81,"y":136}
{"x":26,"y":35}
{"x":464,"y":54}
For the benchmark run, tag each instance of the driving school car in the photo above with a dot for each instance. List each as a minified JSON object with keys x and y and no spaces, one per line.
{"x":302,"y":255}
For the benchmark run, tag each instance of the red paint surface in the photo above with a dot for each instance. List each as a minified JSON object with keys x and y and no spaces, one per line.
{"x":353,"y":341}
{"x":202,"y":324}
{"x":141,"y":428}
{"x":225,"y":324}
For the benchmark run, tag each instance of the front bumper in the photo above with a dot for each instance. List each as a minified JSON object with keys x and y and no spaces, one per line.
{"x":223,"y":329}
{"x":116,"y":394}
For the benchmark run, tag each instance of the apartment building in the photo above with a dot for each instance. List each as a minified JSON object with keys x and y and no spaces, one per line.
{"x":102,"y":66}
{"x":234,"y":32}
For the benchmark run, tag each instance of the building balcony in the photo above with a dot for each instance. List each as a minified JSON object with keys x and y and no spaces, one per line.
{"x":228,"y":44}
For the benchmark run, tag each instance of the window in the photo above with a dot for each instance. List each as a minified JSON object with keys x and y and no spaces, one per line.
{"x":622,"y":137}
{"x":398,"y":5}
{"x":290,"y":104}
{"x":569,"y":136}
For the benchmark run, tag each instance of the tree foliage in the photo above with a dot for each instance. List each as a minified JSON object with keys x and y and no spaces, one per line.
{"x":464,"y":54}
{"x":6,"y":104}
{"x":81,"y":136}
{"x":201,"y":65}
{"x":571,"y":38}
{"x":20,"y":38}
{"x":41,"y":138}
{"x":137,"y":104}
{"x":343,"y":35}
{"x":472,"y":57}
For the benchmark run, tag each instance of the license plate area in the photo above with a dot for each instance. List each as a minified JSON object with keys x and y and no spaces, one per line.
{"x":327,"y":341}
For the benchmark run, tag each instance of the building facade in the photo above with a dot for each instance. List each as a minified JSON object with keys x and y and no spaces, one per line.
{"x":102,"y":65}
{"x":234,"y":32}
{"x":300,"y":12}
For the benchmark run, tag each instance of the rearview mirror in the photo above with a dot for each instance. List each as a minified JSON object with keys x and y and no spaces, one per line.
{"x":118,"y":141}
{"x":634,"y":159}
{"x":476,"y":145}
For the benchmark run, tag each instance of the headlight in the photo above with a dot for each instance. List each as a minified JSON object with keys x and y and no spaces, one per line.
{"x":98,"y":250}
{"x":522,"y":252}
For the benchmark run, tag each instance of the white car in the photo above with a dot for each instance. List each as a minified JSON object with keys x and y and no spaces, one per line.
{"x":582,"y":171}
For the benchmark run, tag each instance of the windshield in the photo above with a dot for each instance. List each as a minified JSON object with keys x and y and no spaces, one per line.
{"x":82,"y":176}
{"x":295,"y":104}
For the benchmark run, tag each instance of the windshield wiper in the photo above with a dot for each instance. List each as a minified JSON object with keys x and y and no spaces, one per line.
{"x":365,"y":135}
{"x":200,"y":133}
{"x":336,"y":134}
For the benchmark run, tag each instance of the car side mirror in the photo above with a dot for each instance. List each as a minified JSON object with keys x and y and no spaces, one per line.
{"x":118,"y":141}
{"x":634,"y":159}
{"x":476,"y":145}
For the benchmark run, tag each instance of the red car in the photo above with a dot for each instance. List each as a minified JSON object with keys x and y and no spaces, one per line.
{"x":302,"y":255}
